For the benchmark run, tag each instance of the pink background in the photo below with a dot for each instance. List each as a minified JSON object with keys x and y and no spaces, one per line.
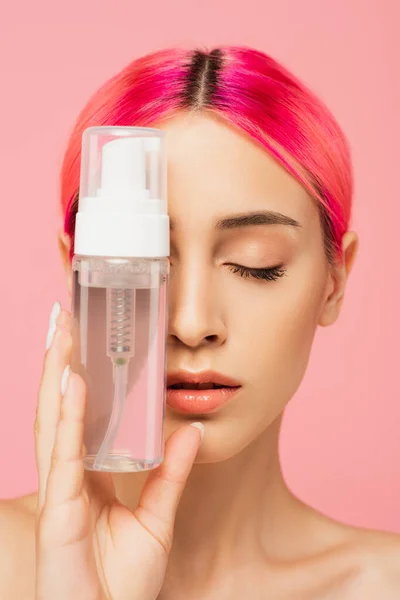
{"x":341,"y":441}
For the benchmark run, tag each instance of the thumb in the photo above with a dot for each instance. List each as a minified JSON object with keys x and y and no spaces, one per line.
{"x":163,"y":488}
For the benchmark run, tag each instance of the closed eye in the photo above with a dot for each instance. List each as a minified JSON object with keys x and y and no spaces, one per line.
{"x":265,"y":273}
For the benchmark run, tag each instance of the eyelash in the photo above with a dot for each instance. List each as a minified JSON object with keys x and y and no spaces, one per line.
{"x":267,"y":273}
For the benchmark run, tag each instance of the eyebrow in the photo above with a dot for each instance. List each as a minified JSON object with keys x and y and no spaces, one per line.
{"x":266,"y":217}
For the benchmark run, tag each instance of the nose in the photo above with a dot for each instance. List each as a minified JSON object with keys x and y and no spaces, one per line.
{"x":195,"y":307}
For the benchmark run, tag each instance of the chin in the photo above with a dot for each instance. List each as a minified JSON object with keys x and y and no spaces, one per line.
{"x":221,"y":442}
{"x":211,"y":454}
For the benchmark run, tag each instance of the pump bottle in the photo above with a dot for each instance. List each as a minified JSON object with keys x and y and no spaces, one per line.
{"x":120,"y":296}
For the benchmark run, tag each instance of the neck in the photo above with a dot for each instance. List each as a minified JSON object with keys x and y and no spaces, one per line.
{"x":230,"y":509}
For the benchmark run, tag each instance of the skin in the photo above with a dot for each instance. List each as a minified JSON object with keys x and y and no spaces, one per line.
{"x":238,"y":531}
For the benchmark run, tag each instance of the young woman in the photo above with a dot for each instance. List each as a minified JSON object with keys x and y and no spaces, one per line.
{"x":260,"y":190}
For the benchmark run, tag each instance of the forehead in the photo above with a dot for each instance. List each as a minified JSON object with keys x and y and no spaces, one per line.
{"x":214,"y":168}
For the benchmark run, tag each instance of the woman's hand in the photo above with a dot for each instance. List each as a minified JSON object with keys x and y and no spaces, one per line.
{"x":88,"y":545}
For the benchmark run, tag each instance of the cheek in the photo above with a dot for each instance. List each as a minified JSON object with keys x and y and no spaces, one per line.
{"x":276,"y":332}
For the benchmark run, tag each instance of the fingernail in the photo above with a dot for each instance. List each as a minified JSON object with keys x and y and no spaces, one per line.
{"x":64,"y":379}
{"x":55,"y":311}
{"x":199,"y":426}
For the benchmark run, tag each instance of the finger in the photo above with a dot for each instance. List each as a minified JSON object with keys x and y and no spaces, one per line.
{"x":164,"y":485}
{"x":49,"y":400}
{"x":66,"y":474}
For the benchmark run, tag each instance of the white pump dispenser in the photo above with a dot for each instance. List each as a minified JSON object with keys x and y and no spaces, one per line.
{"x":122,"y":204}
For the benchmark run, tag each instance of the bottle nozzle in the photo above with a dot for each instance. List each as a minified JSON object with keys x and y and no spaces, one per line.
{"x":123,"y":166}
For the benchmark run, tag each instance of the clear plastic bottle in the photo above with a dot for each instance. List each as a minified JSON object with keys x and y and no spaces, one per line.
{"x":120,"y":296}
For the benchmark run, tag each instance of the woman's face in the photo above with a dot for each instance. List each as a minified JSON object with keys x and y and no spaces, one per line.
{"x":257,"y":331}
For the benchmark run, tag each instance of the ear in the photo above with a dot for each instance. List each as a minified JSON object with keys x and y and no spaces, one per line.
{"x":64,"y":246}
{"x":337,"y":280}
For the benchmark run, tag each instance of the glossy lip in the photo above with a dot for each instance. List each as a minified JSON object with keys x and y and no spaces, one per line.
{"x":201,"y":377}
{"x":200,"y":401}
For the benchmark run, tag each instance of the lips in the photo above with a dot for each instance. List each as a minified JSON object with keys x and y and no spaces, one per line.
{"x":205,"y":379}
{"x":196,"y":386}
{"x":199,"y":393}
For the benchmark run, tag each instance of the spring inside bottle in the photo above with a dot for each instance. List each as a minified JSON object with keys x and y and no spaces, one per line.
{"x":120,"y":330}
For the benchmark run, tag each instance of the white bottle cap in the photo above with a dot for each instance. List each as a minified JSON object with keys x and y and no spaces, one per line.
{"x":122,"y":208}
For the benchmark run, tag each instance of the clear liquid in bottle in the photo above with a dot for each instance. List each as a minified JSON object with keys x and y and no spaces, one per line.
{"x":119,"y":343}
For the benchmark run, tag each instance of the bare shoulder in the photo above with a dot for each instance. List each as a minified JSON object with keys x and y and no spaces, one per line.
{"x":376,"y":556}
{"x":17,"y":547}
{"x":381,"y":553}
{"x":353,"y":563}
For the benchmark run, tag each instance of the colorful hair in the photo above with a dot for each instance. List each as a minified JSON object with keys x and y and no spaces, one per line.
{"x":249,"y":90}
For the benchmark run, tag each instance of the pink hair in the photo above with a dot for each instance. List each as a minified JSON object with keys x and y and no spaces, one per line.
{"x":248,"y":89}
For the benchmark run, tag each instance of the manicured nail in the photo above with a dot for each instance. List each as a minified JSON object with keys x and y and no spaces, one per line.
{"x":64,"y":379}
{"x":199,"y":426}
{"x":55,"y":311}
